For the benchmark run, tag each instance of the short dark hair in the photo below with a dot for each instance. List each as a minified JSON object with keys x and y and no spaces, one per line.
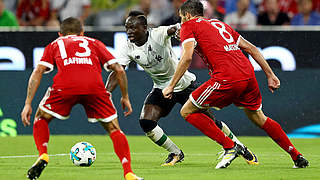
{"x":140,"y":16}
{"x":194,"y":7}
{"x":71,"y":25}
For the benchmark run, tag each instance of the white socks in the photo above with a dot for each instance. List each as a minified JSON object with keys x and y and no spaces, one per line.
{"x":161,"y":139}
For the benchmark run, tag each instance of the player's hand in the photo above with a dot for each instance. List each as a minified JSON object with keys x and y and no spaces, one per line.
{"x":125,"y":103}
{"x":26,"y":114}
{"x":167,"y":92}
{"x":177,"y":35}
{"x":273,"y":83}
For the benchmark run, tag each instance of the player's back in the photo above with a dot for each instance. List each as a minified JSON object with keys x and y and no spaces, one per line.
{"x":217,"y":44}
{"x":79,"y":60}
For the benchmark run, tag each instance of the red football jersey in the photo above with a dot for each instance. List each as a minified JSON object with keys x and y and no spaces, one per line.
{"x":217,"y":44}
{"x":79,"y":60}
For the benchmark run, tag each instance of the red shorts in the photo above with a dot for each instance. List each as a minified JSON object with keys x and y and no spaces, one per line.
{"x":98,"y":107}
{"x":216,"y":94}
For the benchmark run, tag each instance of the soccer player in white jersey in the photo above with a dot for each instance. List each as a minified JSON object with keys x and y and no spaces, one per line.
{"x":152,"y":50}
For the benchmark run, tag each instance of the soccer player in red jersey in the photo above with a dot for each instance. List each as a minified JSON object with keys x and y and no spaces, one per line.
{"x":232,"y":80}
{"x":78,"y":81}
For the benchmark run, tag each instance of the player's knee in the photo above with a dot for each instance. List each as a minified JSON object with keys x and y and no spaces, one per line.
{"x":184,"y":113}
{"x":39,"y":118}
{"x":147,"y":125}
{"x":218,"y":123}
{"x":111,"y":126}
{"x":43,"y":116}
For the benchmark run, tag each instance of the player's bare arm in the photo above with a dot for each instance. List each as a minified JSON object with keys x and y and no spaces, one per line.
{"x":273,"y":81}
{"x":121,"y":77}
{"x":182,"y":67}
{"x":34,"y":82}
{"x":112,"y":83}
{"x":174,"y":30}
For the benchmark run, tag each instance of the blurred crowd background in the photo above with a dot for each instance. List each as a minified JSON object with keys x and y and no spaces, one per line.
{"x":240,"y":14}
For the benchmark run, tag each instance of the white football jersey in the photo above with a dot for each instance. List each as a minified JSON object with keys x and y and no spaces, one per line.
{"x":157,"y":59}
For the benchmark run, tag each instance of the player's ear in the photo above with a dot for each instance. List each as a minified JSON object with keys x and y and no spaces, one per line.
{"x":81,"y":33}
{"x":188,"y":16}
{"x":59,"y":33}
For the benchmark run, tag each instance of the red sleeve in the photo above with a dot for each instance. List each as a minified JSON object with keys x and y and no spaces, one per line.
{"x":186,"y":33}
{"x":105,"y":57}
{"x":47,"y":58}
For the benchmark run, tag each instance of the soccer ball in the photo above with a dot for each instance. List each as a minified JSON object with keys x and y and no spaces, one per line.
{"x":83,"y":154}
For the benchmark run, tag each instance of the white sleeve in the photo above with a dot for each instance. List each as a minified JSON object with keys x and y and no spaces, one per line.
{"x":123,"y":55}
{"x":160,"y":34}
{"x":55,"y":4}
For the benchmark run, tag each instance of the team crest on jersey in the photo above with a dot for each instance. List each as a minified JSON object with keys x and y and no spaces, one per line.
{"x":154,"y":54}
{"x":148,"y":60}
{"x":158,"y":58}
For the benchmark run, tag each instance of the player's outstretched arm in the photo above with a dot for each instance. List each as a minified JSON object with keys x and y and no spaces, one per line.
{"x":112,"y":82}
{"x":121,"y":77}
{"x":273,"y":81}
{"x":174,"y":30}
{"x":34,"y":82}
{"x":182,"y":67}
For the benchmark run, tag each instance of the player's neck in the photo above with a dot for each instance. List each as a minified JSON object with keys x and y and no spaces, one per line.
{"x":143,"y":40}
{"x":195,"y":17}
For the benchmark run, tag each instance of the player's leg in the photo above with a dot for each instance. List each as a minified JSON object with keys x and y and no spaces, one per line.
{"x":207,"y":126}
{"x":221,"y":125}
{"x":52,"y":105}
{"x":121,"y":147}
{"x":183,"y":96}
{"x":99,"y":108}
{"x":212,"y":94}
{"x":149,"y":123}
{"x":251,"y":101}
{"x":274,"y":130}
{"x":248,"y":155}
{"x":155,"y":107}
{"x":41,"y":138}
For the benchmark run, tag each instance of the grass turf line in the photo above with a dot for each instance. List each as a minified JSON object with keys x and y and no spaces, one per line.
{"x":200,"y":159}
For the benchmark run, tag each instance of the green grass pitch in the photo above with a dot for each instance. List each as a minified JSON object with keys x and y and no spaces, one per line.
{"x":200,"y":159}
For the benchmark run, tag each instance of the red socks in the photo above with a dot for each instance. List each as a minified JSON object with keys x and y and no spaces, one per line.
{"x":41,"y":135}
{"x":274,"y":130}
{"x":210,"y":129}
{"x":121,"y":148}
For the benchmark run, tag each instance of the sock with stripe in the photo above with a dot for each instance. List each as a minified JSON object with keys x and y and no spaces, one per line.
{"x":121,"y":148}
{"x":208,"y":127}
{"x":225,"y":129}
{"x":161,"y":139}
{"x":41,"y":135}
{"x":274,"y":130}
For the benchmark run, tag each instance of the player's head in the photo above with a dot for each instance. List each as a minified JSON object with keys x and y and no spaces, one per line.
{"x":136,"y":26}
{"x":190,"y":9}
{"x":71,"y":26}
